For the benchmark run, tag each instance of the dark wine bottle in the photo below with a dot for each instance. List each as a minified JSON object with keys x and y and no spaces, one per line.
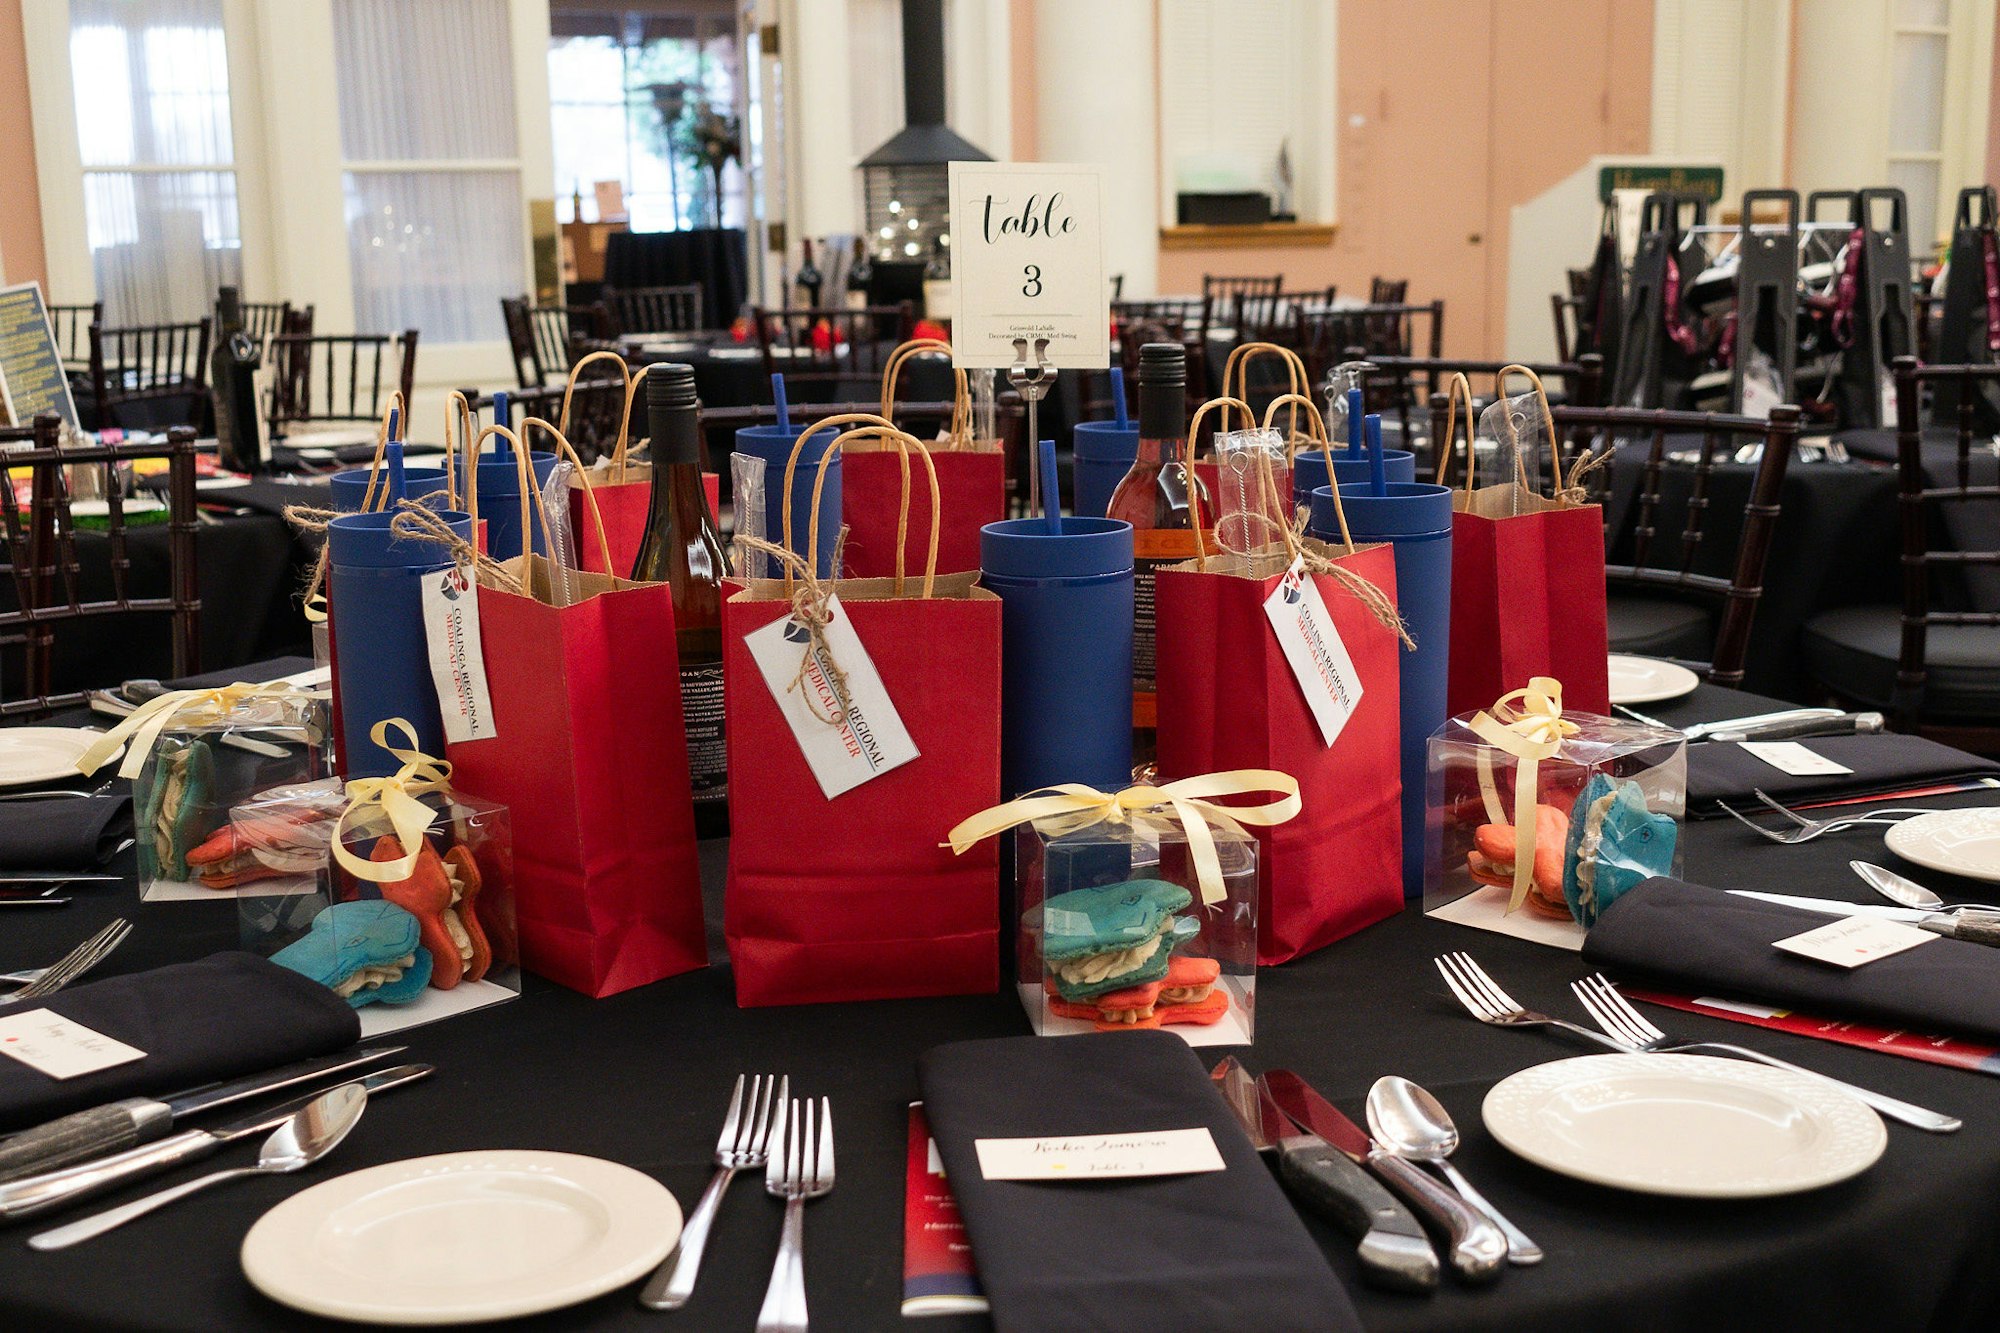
{"x":232,"y":364}
{"x":681,"y":549}
{"x":859,"y":275}
{"x":810,"y":278}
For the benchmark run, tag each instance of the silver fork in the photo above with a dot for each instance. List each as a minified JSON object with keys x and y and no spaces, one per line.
{"x":801,"y":1169}
{"x":1809,"y":829}
{"x":745,"y":1143}
{"x":73,"y":964}
{"x":1615,"y":1014}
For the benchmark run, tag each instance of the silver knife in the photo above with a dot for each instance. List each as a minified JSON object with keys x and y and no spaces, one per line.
{"x":1393,"y":1249}
{"x":55,"y":877}
{"x":1755,"y":721}
{"x":56,"y":1189}
{"x":1478,"y":1249}
{"x":1840,"y":724}
{"x":1973,"y":927}
{"x":135,"y":1120}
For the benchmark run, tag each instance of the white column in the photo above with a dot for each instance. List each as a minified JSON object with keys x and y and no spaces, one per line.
{"x":300,"y":104}
{"x":819,"y":147}
{"x":1095,"y":75}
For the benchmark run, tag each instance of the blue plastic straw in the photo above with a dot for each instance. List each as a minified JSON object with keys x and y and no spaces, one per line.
{"x":1118,"y":397}
{"x":394,"y":455}
{"x":1378,"y":481}
{"x":395,"y":424}
{"x":503,"y":415}
{"x":778,"y":401}
{"x":1354,"y":423}
{"x":1051,"y":492}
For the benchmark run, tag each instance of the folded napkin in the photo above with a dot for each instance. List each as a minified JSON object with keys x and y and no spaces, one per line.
{"x":225,"y":1016}
{"x":1220,"y":1249}
{"x":1723,"y":771}
{"x":1701,"y":941}
{"x":62,"y":832}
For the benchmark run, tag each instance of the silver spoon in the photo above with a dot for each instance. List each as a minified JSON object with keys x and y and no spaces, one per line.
{"x":1408,"y":1120}
{"x":1902,"y":889}
{"x":295,"y":1145}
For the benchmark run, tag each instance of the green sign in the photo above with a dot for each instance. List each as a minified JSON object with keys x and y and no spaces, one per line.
{"x":1703,"y":183}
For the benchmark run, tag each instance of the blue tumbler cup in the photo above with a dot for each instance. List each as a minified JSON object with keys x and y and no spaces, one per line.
{"x":375,"y":600}
{"x":1310,"y":470}
{"x":1415,"y":518}
{"x":351,"y":484}
{"x":1066,"y":650}
{"x":1102,"y":453}
{"x":500,"y":500}
{"x":773,"y":446}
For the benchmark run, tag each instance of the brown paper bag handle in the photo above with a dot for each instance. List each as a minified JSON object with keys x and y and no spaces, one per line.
{"x":1317,"y":423}
{"x":959,"y":435}
{"x":458,"y":429}
{"x":904,"y":442}
{"x":1548,"y":419}
{"x":564,"y":450}
{"x":792,"y":463}
{"x":624,"y":417}
{"x":394,"y":404}
{"x":1239,"y":364}
{"x":1456,"y":388}
{"x":1194,"y":490}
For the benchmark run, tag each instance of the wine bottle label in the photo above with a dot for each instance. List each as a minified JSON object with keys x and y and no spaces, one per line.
{"x":701,"y":709}
{"x":1152,"y":549}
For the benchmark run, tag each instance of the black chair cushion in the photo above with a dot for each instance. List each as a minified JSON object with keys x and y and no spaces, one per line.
{"x":1659,"y":627}
{"x":1853,"y":651}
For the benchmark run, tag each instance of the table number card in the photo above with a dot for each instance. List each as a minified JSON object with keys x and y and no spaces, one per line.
{"x":1027,"y":261}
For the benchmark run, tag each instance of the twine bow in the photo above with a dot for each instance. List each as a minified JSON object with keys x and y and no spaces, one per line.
{"x":809,"y":608}
{"x":1070,"y":806}
{"x":143,"y":726}
{"x":395,"y":799}
{"x":1529,"y":725}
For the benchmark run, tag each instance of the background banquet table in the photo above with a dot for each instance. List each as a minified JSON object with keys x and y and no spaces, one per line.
{"x":642,"y":1078}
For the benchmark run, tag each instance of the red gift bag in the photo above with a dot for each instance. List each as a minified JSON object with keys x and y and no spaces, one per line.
{"x":852,"y":898}
{"x":1298,"y":392}
{"x":622,"y":489}
{"x":1228,"y":699}
{"x":1527,"y":570}
{"x":879,"y":506}
{"x":590,"y":755}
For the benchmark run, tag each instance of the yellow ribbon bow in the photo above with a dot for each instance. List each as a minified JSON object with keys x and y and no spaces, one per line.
{"x":191,"y":708}
{"x":1069,"y":806}
{"x":395,"y":798}
{"x":1529,"y":725}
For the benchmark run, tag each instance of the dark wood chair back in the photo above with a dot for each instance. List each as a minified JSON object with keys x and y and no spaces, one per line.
{"x":1931,"y":489}
{"x":521,"y":340}
{"x":1388,"y":291}
{"x":1595,"y":432}
{"x":45,"y":577}
{"x":1183,"y":320}
{"x":267,"y":319}
{"x":72,"y":325}
{"x":1328,"y":337}
{"x":1222,"y":290}
{"x":815,"y":335}
{"x":1565,"y":310}
{"x":655,"y":309}
{"x":338,"y":377}
{"x":144,"y":362}
{"x":594,"y":412}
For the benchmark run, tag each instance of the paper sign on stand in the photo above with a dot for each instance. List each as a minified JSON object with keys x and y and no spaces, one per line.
{"x":1027,"y":262}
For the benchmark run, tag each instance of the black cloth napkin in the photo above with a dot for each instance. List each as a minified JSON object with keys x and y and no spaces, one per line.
{"x":1221,"y":1249}
{"x":62,"y":832}
{"x":1701,"y":941}
{"x":228,"y":1015}
{"x":1722,"y":771}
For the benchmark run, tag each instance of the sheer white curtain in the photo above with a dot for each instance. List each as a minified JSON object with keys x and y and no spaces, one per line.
{"x":432,"y":181}
{"x":152,"y":119}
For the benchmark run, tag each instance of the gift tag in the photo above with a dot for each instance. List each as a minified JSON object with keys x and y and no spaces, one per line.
{"x":1318,"y":658}
{"x":1166,"y":1152}
{"x":1851,"y":941}
{"x":867,"y":739}
{"x":458,"y":658}
{"x":1793,"y":758}
{"x":44,"y":1040}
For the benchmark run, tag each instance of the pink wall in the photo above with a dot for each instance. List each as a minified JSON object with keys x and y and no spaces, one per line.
{"x":21,"y":217}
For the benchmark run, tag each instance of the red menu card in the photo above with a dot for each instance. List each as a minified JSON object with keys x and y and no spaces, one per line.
{"x":1910,"y":1045}
{"x":938,"y":1276}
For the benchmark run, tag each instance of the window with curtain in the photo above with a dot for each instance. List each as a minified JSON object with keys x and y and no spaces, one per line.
{"x":436,"y":231}
{"x":645,"y":95}
{"x":153,"y":135}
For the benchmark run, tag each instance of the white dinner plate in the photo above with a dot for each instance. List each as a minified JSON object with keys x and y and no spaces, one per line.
{"x":44,"y":754}
{"x":1687,"y":1125}
{"x":462,"y":1237}
{"x":1647,"y":680}
{"x":1958,"y":842}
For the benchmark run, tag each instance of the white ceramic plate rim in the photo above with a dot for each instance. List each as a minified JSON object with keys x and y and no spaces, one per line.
{"x":1674,"y":680}
{"x":645,"y":1227}
{"x":59,"y":769}
{"x":1855,"y":1135}
{"x":1914,"y":840}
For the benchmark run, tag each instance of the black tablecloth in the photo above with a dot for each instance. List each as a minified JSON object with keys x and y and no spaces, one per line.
{"x":643,"y":1078}
{"x":712,"y":258}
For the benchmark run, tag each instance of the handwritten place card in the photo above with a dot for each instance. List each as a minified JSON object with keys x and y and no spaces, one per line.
{"x":1027,"y":261}
{"x":1854,"y":940}
{"x":1793,"y":758}
{"x":1166,"y":1152}
{"x":44,"y":1040}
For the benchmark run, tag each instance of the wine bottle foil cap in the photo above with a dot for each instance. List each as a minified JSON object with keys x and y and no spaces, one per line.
{"x":670,"y":385}
{"x":1162,"y":363}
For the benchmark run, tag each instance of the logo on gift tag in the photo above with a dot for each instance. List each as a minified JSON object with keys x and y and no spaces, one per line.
{"x":44,"y":1040}
{"x":1312,"y":646}
{"x":458,"y":657}
{"x":827,"y":687}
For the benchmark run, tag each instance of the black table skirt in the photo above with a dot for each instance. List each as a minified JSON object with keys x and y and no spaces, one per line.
{"x":642,"y":1078}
